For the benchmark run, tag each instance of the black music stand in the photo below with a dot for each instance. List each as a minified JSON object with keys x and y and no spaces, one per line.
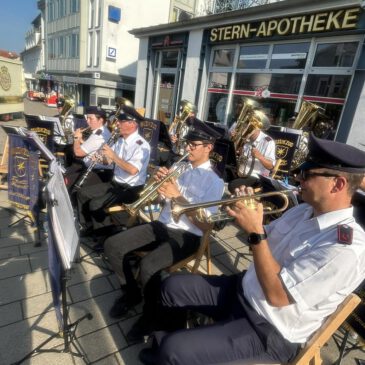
{"x":62,"y":249}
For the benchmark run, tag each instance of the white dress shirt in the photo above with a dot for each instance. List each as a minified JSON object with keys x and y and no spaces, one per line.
{"x":197,"y":185}
{"x":266,"y":146}
{"x":94,"y":142}
{"x":316,"y":269}
{"x":136,"y":151}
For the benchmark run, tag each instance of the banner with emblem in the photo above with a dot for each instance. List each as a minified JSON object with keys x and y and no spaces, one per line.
{"x":23,"y":178}
{"x":149,"y":129}
{"x":286,"y":144}
{"x":44,"y":129}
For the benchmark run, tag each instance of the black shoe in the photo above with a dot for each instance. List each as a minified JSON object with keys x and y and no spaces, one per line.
{"x":123,"y":304}
{"x":142,"y":328}
{"x":148,"y":356}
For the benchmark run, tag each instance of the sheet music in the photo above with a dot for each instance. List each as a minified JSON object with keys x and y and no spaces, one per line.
{"x":58,"y":130}
{"x":62,"y":218}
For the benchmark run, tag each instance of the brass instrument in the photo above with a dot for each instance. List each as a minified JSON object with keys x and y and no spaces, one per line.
{"x":177,"y":209}
{"x":179,"y":123}
{"x":112,"y":139}
{"x":86,"y":133}
{"x":150,"y":193}
{"x":305,"y":120}
{"x":256,"y":120}
{"x":241,"y":129}
{"x":67,"y":124}
{"x":119,"y":102}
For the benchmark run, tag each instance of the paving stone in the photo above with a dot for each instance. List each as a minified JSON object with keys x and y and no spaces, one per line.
{"x":29,"y":248}
{"x":10,"y":251}
{"x":20,"y":338}
{"x":14,"y":266}
{"x":10,"y":313}
{"x":100,"y":343}
{"x":11,"y":241}
{"x":39,"y":260}
{"x":37,"y":305}
{"x":86,"y":290}
{"x":129,"y":356}
{"x":85,"y":271}
{"x":23,"y":286}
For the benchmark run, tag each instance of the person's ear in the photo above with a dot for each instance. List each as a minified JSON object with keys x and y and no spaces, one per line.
{"x":340,"y":183}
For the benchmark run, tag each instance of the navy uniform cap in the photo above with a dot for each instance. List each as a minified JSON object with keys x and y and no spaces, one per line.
{"x":95,"y":110}
{"x":129,"y":113}
{"x":199,"y":131}
{"x":333,"y":155}
{"x":60,"y":103}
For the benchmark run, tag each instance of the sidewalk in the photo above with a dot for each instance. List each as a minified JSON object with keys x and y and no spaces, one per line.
{"x":26,"y":312}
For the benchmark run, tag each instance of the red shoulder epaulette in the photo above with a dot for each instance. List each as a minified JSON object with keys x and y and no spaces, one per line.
{"x":344,"y":234}
{"x":139,"y":142}
{"x":268,"y":138}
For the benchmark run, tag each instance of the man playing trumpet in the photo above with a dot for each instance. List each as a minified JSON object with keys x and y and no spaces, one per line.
{"x":166,"y":241}
{"x":304,"y":265}
{"x":84,"y":149}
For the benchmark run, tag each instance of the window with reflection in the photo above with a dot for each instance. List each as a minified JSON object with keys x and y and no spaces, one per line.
{"x":289,"y":56}
{"x":278,"y":83}
{"x":170,"y":59}
{"x":223,"y":57}
{"x":334,"y":86}
{"x":217,"y":107}
{"x":220,"y":80}
{"x":253,"y":56}
{"x":335,"y":54}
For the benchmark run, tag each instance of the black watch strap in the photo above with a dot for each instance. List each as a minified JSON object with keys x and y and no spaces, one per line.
{"x":255,"y":238}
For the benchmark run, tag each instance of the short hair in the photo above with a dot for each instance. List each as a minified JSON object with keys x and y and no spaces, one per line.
{"x":354,"y":180}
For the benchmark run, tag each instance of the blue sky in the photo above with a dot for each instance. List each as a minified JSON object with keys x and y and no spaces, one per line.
{"x":16,"y":17}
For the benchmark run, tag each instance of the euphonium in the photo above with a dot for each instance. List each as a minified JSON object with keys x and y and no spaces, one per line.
{"x":150,"y":192}
{"x":257,"y":119}
{"x":177,"y":209}
{"x":67,"y":125}
{"x":179,"y":122}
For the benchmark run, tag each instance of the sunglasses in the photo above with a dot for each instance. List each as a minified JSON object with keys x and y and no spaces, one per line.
{"x":307,"y":174}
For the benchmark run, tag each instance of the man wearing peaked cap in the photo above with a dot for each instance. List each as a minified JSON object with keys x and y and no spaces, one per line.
{"x":304,"y":265}
{"x":333,"y":155}
{"x":172,"y":240}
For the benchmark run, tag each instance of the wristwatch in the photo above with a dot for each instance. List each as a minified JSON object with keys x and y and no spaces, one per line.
{"x":255,"y":238}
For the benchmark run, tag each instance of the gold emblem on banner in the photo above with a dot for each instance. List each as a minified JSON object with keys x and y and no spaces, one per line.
{"x":281,"y":151}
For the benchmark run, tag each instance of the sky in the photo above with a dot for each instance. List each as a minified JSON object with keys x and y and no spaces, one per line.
{"x":16,"y":17}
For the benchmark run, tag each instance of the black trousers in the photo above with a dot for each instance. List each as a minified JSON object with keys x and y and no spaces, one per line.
{"x":93,"y":200}
{"x":238,"y":334}
{"x":165,"y":247}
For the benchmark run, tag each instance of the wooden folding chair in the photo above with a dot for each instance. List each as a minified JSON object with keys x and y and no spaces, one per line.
{"x":204,"y":249}
{"x":310,"y":354}
{"x":4,"y":165}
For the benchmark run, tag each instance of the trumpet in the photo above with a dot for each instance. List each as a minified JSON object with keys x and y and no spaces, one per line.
{"x":150,"y":193}
{"x":250,"y":201}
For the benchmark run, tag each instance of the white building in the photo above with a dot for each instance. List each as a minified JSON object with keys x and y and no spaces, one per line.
{"x":89,"y":52}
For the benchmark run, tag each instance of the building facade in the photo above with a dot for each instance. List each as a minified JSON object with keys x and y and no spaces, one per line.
{"x":277,"y":54}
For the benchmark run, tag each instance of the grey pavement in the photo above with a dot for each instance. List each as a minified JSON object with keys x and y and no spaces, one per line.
{"x":27,"y":316}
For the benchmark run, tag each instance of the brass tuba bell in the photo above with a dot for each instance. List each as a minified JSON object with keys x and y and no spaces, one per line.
{"x":67,"y":123}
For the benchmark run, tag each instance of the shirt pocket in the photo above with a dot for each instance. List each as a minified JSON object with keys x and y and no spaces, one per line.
{"x":280,"y":230}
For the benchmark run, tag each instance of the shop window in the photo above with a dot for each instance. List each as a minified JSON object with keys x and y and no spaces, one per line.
{"x":103,"y":100}
{"x":278,"y":83}
{"x":334,"y":86}
{"x":220,"y":80}
{"x":289,"y":56}
{"x":170,"y":59}
{"x":223,"y":57}
{"x":253,"y":57}
{"x":335,"y":54}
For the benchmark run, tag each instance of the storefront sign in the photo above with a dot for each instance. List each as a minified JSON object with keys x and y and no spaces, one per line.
{"x":326,"y":21}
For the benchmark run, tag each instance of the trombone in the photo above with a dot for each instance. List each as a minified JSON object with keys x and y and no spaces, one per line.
{"x":177,"y":209}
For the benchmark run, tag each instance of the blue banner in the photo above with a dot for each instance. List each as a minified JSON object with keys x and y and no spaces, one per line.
{"x":149,"y":129}
{"x":23,"y":174}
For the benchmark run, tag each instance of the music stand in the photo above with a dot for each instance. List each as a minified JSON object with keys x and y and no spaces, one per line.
{"x":62,"y":249}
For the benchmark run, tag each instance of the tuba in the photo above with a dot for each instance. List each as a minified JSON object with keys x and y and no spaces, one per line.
{"x":256,"y":119}
{"x":305,"y":121}
{"x":178,"y":126}
{"x":67,"y":123}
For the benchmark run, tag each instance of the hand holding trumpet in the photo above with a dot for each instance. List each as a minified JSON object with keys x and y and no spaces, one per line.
{"x":169,"y":189}
{"x":248,"y":213}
